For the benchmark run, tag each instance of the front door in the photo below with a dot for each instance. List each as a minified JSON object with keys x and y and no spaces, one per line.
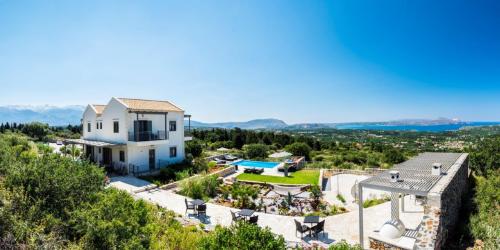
{"x":152,"y":159}
{"x":106,"y":156}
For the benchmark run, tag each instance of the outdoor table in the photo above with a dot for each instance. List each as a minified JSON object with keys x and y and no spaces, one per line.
{"x":311,"y":219}
{"x":246,"y":212}
{"x":197,"y":202}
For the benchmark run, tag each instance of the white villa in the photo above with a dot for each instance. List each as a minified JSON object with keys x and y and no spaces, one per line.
{"x":133,"y":135}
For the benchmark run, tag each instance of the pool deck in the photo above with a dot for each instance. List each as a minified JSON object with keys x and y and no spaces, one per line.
{"x":267,"y":171}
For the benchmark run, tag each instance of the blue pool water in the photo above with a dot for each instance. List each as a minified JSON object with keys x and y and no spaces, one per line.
{"x":256,"y":164}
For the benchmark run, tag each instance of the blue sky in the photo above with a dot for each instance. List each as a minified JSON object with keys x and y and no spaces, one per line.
{"x":300,"y":61}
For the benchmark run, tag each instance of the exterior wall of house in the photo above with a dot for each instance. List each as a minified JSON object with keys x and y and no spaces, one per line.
{"x":114,"y":111}
{"x":136,"y":153}
{"x":139,"y":156}
{"x":89,"y":116}
{"x":158,"y":124}
{"x":139,"y":151}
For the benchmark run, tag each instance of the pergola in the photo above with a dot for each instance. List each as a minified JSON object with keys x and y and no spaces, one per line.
{"x":93,"y":143}
{"x":415,"y":177}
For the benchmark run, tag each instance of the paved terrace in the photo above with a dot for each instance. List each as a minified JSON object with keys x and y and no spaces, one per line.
{"x":337,"y":227}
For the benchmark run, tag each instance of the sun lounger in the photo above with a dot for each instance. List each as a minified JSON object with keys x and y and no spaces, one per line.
{"x":254,"y":170}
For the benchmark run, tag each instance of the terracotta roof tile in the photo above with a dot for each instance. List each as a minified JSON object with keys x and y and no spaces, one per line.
{"x":99,"y":108}
{"x":149,"y":105}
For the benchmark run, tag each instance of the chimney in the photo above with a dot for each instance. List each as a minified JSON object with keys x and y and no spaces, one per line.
{"x":437,"y":168}
{"x":394,"y":175}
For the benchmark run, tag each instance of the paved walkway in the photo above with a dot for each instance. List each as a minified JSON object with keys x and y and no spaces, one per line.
{"x":342,"y":226}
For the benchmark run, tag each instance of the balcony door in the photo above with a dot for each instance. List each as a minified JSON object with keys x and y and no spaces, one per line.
{"x":143,"y":130}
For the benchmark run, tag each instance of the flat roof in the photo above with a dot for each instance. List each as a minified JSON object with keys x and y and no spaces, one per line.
{"x":93,"y":143}
{"x":415,"y":174}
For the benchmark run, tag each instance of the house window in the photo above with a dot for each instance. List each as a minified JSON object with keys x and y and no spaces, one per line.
{"x":122,"y":156}
{"x":173,"y":152}
{"x":99,"y":149}
{"x":97,"y":125}
{"x":88,"y":127}
{"x":100,"y":125}
{"x":116,"y":127}
{"x":172,"y":126}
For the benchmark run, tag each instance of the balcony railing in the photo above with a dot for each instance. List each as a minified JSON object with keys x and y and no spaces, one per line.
{"x":147,"y":136}
{"x":188,"y":135}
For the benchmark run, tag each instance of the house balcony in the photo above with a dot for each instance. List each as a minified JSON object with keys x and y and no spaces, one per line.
{"x":147,"y":136}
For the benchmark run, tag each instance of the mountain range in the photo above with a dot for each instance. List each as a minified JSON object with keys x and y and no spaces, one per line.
{"x":55,"y":116}
{"x":252,"y":124}
{"x":272,"y":123}
{"x":61,"y":116}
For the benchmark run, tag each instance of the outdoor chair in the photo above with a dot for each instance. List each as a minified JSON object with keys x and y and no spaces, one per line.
{"x":235,"y":216}
{"x":319,"y":228}
{"x":201,"y":209}
{"x":188,"y":205}
{"x":300,"y":228}
{"x":253,"y":219}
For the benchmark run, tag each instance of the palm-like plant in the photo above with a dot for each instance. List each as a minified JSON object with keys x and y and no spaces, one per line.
{"x":315,"y":195}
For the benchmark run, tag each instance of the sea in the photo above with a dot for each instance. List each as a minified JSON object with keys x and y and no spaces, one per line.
{"x":423,"y":128}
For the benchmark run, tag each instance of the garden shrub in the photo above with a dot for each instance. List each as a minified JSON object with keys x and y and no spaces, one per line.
{"x":243,"y":236}
{"x":334,"y":209}
{"x":182,"y":174}
{"x":343,"y":245}
{"x":374,"y":202}
{"x":200,"y":187}
{"x":194,"y":148}
{"x":255,"y":151}
{"x":319,"y":158}
{"x":315,"y":195}
{"x":212,"y":164}
{"x":299,"y":149}
{"x":244,"y":195}
{"x":341,"y":198}
{"x":484,"y":223}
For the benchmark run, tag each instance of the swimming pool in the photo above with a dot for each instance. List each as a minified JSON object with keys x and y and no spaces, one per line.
{"x":255,"y":164}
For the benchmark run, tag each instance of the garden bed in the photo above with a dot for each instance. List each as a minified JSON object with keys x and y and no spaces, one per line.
{"x":262,"y":198}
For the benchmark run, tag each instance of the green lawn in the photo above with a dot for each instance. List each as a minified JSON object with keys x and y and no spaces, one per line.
{"x":299,"y":177}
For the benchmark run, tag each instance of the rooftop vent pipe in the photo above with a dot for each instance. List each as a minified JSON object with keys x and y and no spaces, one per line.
{"x":394,"y":175}
{"x":437,"y":168}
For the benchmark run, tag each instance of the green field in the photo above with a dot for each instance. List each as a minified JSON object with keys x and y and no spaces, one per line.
{"x":299,"y":177}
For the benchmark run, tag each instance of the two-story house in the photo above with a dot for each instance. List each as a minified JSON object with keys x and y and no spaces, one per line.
{"x":134,"y":134}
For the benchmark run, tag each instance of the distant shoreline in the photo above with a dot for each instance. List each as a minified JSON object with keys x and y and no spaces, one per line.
{"x":421,"y":128}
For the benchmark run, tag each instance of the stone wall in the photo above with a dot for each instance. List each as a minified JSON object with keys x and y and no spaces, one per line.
{"x":368,"y":171}
{"x":443,"y":204}
{"x":380,"y":245}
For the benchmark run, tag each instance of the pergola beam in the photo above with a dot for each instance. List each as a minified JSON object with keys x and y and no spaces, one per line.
{"x":393,"y":189}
